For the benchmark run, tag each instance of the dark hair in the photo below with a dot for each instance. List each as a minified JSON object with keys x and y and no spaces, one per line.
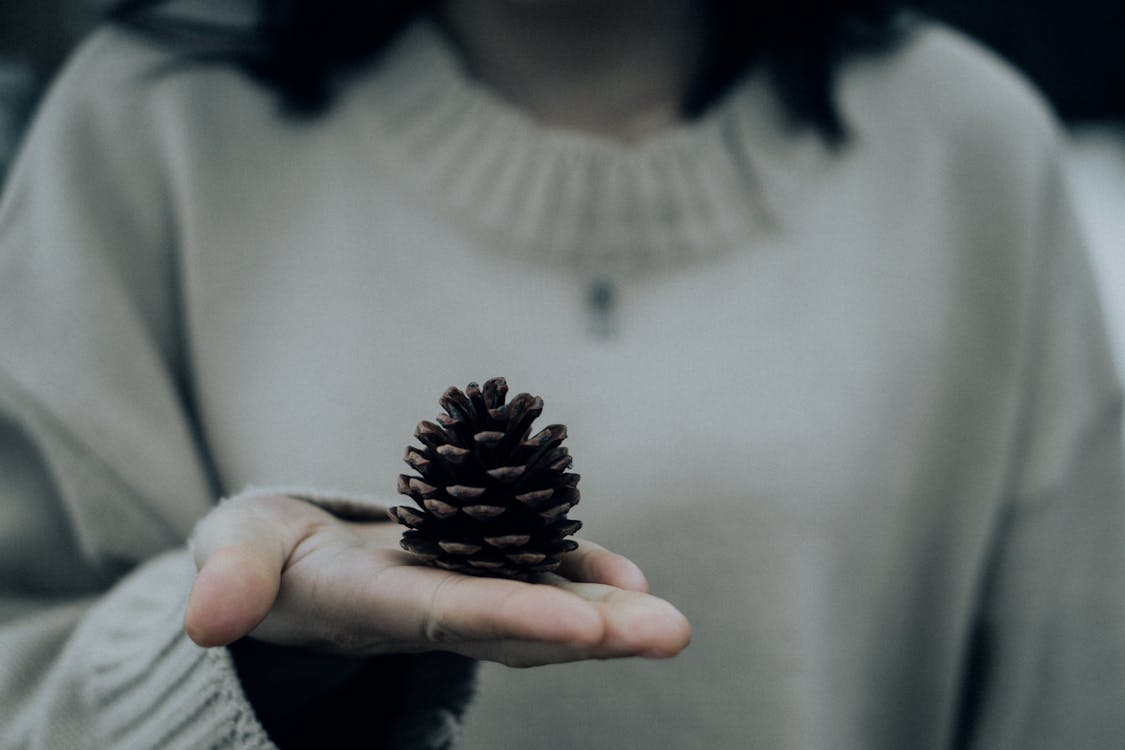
{"x":305,"y":50}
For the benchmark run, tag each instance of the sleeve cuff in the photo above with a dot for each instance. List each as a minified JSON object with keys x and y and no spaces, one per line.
{"x":146,"y":684}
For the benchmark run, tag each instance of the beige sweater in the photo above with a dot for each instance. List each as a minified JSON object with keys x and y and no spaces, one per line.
{"x":853,"y":411}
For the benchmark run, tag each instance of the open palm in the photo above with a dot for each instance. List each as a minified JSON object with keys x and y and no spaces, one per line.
{"x":285,"y":571}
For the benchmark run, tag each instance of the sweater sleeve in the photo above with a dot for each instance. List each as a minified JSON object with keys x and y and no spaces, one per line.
{"x":1047,"y":667}
{"x":101,"y":476}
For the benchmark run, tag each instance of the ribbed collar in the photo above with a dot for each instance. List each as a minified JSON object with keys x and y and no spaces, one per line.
{"x":590,"y":204}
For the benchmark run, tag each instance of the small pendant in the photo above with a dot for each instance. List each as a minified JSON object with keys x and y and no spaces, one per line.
{"x":601,"y":304}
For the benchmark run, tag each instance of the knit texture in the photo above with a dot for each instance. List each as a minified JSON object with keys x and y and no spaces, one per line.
{"x":576,"y":201}
{"x":149,"y":690}
{"x":129,"y":677}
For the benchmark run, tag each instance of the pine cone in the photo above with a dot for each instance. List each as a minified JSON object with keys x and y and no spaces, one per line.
{"x":493,"y":500}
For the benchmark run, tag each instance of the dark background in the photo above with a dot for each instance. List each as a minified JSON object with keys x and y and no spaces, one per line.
{"x":1074,"y":50}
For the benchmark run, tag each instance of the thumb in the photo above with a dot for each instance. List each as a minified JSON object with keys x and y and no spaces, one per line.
{"x":240,"y":552}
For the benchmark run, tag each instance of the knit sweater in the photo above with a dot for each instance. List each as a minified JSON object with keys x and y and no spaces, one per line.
{"x":853,"y":411}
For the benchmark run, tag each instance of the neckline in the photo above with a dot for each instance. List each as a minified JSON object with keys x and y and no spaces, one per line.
{"x":586,"y":203}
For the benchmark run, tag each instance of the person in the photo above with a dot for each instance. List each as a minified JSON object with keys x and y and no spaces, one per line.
{"x":804,"y":284}
{"x":105,"y":475}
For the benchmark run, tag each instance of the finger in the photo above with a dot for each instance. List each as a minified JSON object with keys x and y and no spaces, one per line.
{"x":522,"y":654}
{"x":437,"y":606}
{"x":633,"y":624}
{"x":445,"y":610}
{"x":416,"y":607}
{"x":240,"y":549}
{"x":592,"y":563}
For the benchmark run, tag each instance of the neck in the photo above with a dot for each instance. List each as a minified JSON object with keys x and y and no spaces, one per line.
{"x":617,"y":68}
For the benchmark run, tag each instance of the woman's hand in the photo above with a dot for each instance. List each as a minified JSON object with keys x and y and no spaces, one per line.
{"x":284,"y":571}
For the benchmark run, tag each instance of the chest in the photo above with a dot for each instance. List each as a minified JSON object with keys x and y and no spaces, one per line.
{"x":321,"y":336}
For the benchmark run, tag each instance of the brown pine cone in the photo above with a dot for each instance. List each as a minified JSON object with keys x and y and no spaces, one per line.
{"x":491,"y":500}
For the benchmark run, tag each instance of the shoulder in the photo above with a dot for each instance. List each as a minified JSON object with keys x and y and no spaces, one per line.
{"x":110,"y":66}
{"x":125,"y":103}
{"x":113,"y":55}
{"x":940,"y":85}
{"x":89,"y":127}
{"x":129,"y":78}
{"x":98,"y":106}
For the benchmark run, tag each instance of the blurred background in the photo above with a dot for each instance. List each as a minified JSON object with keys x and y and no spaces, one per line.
{"x":1073,"y":50}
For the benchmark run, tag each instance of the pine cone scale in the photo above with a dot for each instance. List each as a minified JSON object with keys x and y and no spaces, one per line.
{"x":508,"y":540}
{"x":440,"y":509}
{"x":481,"y":512}
{"x":506,"y":474}
{"x":464,"y":492}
